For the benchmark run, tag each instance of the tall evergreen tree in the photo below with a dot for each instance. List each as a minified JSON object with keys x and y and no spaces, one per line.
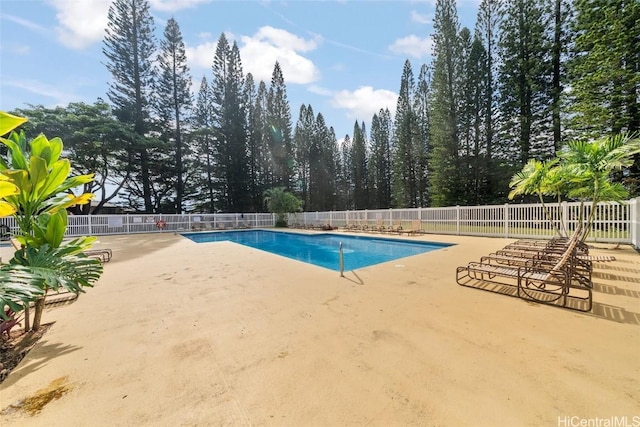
{"x":488,"y":32}
{"x":322,"y":165}
{"x":525,"y":79}
{"x":255,"y":141}
{"x":359,"y":167}
{"x":423,"y":129}
{"x":235,"y":134}
{"x":561,"y":14}
{"x":129,"y":45}
{"x":346,"y":187}
{"x":262,"y":121}
{"x":331,"y":161}
{"x":405,"y":181}
{"x":173,"y":98}
{"x":279,"y":119}
{"x":444,"y":161}
{"x":230,"y":123}
{"x":219,"y":98}
{"x":380,"y":164}
{"x":302,"y":139}
{"x":472,"y":90}
{"x":204,"y":149}
{"x":605,"y":67}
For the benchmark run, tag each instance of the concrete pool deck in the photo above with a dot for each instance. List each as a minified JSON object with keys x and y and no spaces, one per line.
{"x":177,"y":333}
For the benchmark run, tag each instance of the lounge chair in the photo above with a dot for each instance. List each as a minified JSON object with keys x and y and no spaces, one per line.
{"x":416,"y":228}
{"x":5,"y":232}
{"x":198,"y":226}
{"x":102,"y":255}
{"x":352,"y":227}
{"x":597,"y":258}
{"x":379,"y":227}
{"x":395,"y":229}
{"x":554,"y":279}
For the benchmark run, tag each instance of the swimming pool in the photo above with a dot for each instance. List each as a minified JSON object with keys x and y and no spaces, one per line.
{"x":322,"y":249}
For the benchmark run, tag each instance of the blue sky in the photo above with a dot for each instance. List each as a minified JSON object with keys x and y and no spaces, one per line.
{"x":345,"y":58}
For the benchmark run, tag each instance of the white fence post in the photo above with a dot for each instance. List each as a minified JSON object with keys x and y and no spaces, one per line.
{"x":458,"y":220}
{"x":565,"y":216}
{"x":506,"y":220}
{"x":89,"y":222}
{"x":634,"y":222}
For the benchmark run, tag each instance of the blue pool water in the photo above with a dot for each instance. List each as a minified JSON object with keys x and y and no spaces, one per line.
{"x":322,"y":249}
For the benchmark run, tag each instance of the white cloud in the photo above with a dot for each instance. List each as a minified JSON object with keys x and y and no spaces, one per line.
{"x":201,"y":56}
{"x":413,"y":45}
{"x":25,"y":23}
{"x":260,"y":52}
{"x":18,"y":49}
{"x":364,"y":102}
{"x":59,"y":95}
{"x":421,"y":18}
{"x":174,"y":5}
{"x":319,"y":90}
{"x":81,"y":22}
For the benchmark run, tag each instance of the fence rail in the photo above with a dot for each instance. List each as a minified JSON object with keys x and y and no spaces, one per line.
{"x":613,"y":222}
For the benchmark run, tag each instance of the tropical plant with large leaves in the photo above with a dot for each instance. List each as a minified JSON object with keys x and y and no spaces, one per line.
{"x":18,"y":285}
{"x":581,"y":171}
{"x":533,"y":179}
{"x":44,"y":192}
{"x":591,"y":164}
{"x":281,"y":202}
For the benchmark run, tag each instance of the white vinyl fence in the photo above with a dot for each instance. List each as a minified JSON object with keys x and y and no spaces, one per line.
{"x":613,"y":222}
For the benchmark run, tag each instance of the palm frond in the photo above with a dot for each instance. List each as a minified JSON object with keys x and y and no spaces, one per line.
{"x":18,"y":287}
{"x":60,"y":267}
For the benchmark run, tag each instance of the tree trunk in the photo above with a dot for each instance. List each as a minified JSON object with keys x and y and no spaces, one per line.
{"x":37,"y":317}
{"x":27,"y":319}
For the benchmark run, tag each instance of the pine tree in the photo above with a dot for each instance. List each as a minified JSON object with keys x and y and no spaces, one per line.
{"x":204,"y":150}
{"x":173,"y":98}
{"x":559,"y":55}
{"x":444,"y":162}
{"x":525,"y":79}
{"x":261,"y":121}
{"x":405,"y":181}
{"x":220,"y":119}
{"x":255,"y":144}
{"x":380,"y":164}
{"x":359,"y":167}
{"x":605,"y":68}
{"x":323,"y":172}
{"x":331,"y":161}
{"x":488,"y":32}
{"x":302,"y":140}
{"x":472,"y":90}
{"x":235,"y":133}
{"x":129,"y":45}
{"x":230,"y":122}
{"x":422,"y":145}
{"x":279,"y":119}
{"x":346,"y":186}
